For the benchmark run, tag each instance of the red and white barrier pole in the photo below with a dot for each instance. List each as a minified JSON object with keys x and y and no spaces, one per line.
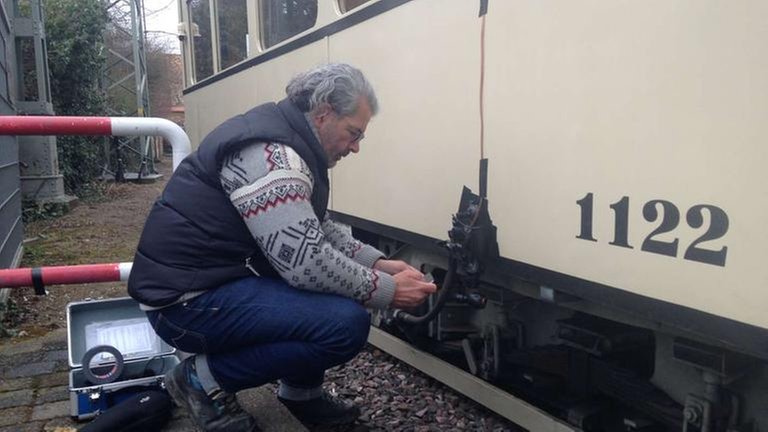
{"x":110,"y":126}
{"x":39,"y":277}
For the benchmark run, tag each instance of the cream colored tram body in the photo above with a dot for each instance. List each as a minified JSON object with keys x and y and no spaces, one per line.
{"x":627,"y":143}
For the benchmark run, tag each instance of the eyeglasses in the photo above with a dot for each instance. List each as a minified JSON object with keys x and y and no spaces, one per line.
{"x":356,"y":134}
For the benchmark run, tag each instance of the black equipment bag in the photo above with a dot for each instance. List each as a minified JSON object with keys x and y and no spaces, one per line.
{"x":146,"y":411}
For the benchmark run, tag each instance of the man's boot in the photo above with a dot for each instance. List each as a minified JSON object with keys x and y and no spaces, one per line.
{"x":220,"y":413}
{"x":325,"y":410}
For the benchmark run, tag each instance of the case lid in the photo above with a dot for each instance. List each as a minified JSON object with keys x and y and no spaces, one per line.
{"x":117,"y":322}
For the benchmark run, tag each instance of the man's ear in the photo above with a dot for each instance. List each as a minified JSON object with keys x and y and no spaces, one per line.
{"x":321,"y":113}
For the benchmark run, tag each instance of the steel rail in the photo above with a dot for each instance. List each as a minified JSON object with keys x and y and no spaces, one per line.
{"x":100,"y":126}
{"x":39,"y":277}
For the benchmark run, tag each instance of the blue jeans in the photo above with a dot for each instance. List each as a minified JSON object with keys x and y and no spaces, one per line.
{"x":257,"y":330}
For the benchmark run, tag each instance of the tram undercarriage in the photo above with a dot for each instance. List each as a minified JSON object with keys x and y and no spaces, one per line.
{"x":584,"y":366}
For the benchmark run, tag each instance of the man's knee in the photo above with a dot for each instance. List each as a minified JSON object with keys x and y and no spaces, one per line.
{"x":356,"y":322}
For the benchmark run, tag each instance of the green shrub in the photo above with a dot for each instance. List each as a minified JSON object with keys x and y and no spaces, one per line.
{"x":77,"y":60}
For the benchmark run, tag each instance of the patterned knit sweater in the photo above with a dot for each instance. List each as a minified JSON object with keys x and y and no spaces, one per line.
{"x":271,"y":187}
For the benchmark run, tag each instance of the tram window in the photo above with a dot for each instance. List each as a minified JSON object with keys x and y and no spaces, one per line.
{"x":233,"y":31}
{"x":348,"y":5}
{"x":200,"y":12}
{"x":281,"y":19}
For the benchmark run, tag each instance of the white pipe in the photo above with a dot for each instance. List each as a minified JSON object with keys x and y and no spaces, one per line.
{"x":125,"y":270}
{"x":144,"y":126}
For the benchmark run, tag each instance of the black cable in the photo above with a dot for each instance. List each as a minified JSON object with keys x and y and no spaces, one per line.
{"x":442,"y":298}
{"x":149,"y":362}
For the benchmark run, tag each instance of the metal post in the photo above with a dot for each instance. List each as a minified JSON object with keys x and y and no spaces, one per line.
{"x":38,"y":158}
{"x":115,"y":83}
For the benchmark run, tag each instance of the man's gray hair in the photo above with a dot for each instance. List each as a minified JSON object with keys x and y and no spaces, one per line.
{"x":337,"y":84}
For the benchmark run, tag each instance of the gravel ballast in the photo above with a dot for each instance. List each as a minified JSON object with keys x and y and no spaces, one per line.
{"x":393,"y":396}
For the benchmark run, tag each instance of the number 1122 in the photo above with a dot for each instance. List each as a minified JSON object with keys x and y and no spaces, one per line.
{"x":670,"y":218}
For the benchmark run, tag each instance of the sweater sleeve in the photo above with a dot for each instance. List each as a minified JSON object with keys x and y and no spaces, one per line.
{"x":271,"y":187}
{"x":340,"y":237}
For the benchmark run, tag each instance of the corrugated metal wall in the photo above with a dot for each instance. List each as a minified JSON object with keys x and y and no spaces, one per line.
{"x":11,"y":229}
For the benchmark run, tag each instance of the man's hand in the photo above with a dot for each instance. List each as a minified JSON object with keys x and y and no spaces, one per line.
{"x":411,"y":289}
{"x":392,"y":267}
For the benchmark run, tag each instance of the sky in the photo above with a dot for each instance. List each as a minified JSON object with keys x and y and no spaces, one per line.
{"x":162,"y":21}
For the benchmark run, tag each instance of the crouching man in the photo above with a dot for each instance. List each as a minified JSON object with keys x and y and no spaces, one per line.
{"x":239,"y":264}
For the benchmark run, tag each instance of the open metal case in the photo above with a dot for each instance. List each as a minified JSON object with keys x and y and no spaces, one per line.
{"x":119,"y":323}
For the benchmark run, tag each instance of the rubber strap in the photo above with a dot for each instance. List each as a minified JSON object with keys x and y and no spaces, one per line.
{"x":37,"y":281}
{"x":114,"y":371}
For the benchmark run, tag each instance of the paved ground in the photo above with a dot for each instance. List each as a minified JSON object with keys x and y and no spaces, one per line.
{"x":34,"y":369}
{"x":34,"y":397}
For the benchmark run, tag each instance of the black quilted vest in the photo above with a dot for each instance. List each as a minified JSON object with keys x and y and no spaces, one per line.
{"x":194,"y":238}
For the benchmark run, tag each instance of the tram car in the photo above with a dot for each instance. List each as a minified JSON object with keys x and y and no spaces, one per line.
{"x":612,"y":272}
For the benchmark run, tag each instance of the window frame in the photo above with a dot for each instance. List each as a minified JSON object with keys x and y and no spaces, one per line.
{"x":262,"y":45}
{"x":217,"y":45}
{"x":343,"y":10}
{"x":189,"y":25}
